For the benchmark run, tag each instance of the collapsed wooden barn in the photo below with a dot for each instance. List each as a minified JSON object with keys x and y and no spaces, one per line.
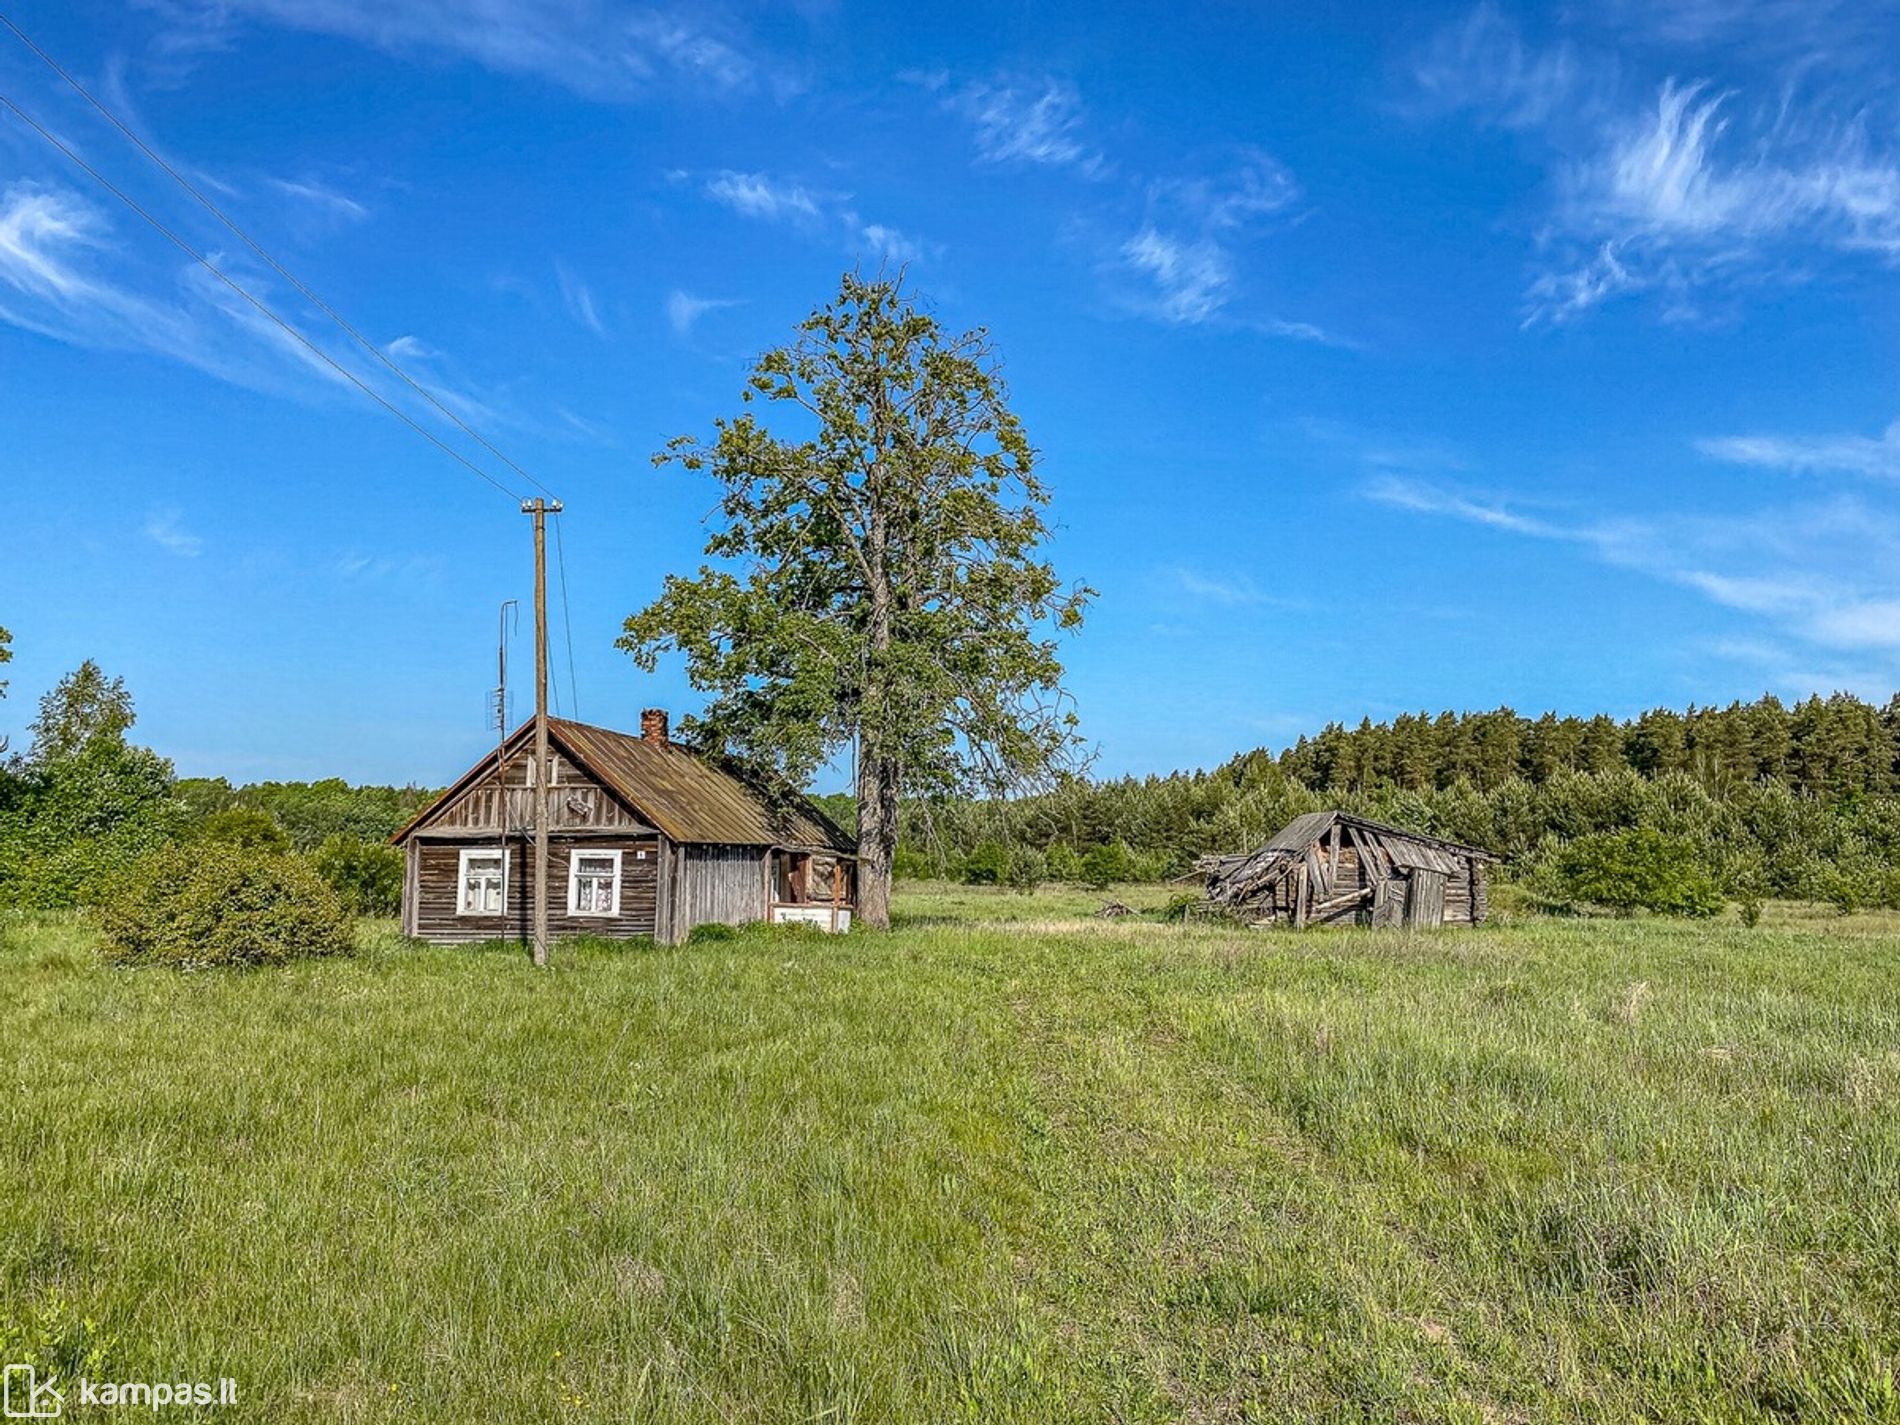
{"x":1333,"y":868}
{"x":647,"y":837}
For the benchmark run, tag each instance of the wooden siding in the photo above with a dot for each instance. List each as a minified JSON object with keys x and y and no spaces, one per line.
{"x":1425,"y":900}
{"x":725,"y":885}
{"x":1338,"y":880}
{"x":577,"y":802}
{"x":430,"y":914}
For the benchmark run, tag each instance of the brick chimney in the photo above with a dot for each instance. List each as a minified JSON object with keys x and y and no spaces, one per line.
{"x":653,"y":725}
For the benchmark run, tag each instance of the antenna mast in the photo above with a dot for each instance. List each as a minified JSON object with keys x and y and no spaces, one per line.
{"x":498,"y":714}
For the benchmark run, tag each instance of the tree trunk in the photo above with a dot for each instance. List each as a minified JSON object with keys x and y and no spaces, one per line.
{"x":877,"y":837}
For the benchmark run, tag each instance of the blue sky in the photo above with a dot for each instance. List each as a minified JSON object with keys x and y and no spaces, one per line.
{"x":1379,"y":360}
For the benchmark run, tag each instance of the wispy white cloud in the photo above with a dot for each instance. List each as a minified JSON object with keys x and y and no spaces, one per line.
{"x":1681,"y":197}
{"x":602,"y":50}
{"x":1423,"y":497}
{"x":1221,"y":588}
{"x":372,"y":568}
{"x":578,"y":298}
{"x":322,"y":197}
{"x":55,"y":248}
{"x":1178,"y":262}
{"x":887,"y":244}
{"x":1253,"y":185}
{"x":1823,"y":574}
{"x":818,"y":213}
{"x":1838,"y":35}
{"x":1184,"y":251}
{"x":166,"y":530}
{"x":1681,"y":189}
{"x":755,"y":195}
{"x":1226,"y":590}
{"x":1191,"y":277}
{"x":1664,"y":174}
{"x":1482,"y":64}
{"x":1028,"y":120}
{"x":683,"y":310}
{"x":66,"y":275}
{"x":1876,"y":456}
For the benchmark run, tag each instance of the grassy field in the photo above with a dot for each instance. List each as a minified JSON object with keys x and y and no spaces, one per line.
{"x":1007,"y":1163}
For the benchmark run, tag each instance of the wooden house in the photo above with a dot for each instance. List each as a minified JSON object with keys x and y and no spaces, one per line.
{"x":646,"y":838}
{"x":1331,"y":868}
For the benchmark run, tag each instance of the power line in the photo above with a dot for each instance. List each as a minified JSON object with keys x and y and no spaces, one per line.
{"x":231,"y":282}
{"x":567,"y":621}
{"x":258,"y":248}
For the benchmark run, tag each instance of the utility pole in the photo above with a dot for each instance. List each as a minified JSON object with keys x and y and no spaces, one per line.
{"x":540,"y":509}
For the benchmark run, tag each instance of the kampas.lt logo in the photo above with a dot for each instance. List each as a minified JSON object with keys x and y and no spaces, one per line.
{"x":27,"y":1397}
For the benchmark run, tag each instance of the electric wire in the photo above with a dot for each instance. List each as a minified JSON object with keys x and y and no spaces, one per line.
{"x":567,"y":620}
{"x":371,"y":347}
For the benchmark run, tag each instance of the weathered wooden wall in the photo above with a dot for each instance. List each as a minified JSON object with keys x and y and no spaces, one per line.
{"x":1302,"y":896}
{"x":727,"y":885}
{"x":435,"y":881}
{"x":576,"y":802}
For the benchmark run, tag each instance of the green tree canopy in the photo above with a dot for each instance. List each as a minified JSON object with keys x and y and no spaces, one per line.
{"x":85,"y":707}
{"x":880,"y":582}
{"x":86,"y":802}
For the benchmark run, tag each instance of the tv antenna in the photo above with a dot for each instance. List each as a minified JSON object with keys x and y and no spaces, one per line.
{"x":498,"y":708}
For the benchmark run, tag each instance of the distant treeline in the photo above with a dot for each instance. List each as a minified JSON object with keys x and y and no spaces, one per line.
{"x":309,"y":813}
{"x":1762,"y":799}
{"x":1823,"y":747}
{"x":1775,"y":800}
{"x":83,"y":804}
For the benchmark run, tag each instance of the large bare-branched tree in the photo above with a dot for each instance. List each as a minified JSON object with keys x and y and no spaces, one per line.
{"x":879,"y":586}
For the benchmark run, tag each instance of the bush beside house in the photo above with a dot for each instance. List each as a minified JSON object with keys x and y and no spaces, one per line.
{"x":218,"y":904}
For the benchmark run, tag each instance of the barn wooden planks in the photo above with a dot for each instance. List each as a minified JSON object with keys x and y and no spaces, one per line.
{"x":1334,"y":868}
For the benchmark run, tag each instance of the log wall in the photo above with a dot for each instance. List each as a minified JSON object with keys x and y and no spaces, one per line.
{"x":435,"y":881}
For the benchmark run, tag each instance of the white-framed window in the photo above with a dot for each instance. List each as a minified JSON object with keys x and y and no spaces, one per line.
{"x":593,"y":882}
{"x":481,"y":881}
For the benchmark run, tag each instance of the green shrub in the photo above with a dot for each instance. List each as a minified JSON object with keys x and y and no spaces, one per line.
{"x":209,"y":904}
{"x":986,"y":865}
{"x":70,"y":828}
{"x":910,"y":864}
{"x":1028,"y":869}
{"x":1105,"y":865}
{"x":711,"y":933}
{"x":1065,"y":863}
{"x":1641,"y":869}
{"x":1154,"y":865}
{"x":1182,"y":904}
{"x":366,"y":875}
{"x":247,"y":827}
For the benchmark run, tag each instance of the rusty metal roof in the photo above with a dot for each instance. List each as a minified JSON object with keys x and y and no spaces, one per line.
{"x":693,"y":798}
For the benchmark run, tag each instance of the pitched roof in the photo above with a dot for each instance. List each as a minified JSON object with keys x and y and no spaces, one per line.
{"x":693,"y":798}
{"x":696,"y":798}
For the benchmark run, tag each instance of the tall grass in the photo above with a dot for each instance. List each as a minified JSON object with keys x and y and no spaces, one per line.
{"x":1008,"y":1162}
